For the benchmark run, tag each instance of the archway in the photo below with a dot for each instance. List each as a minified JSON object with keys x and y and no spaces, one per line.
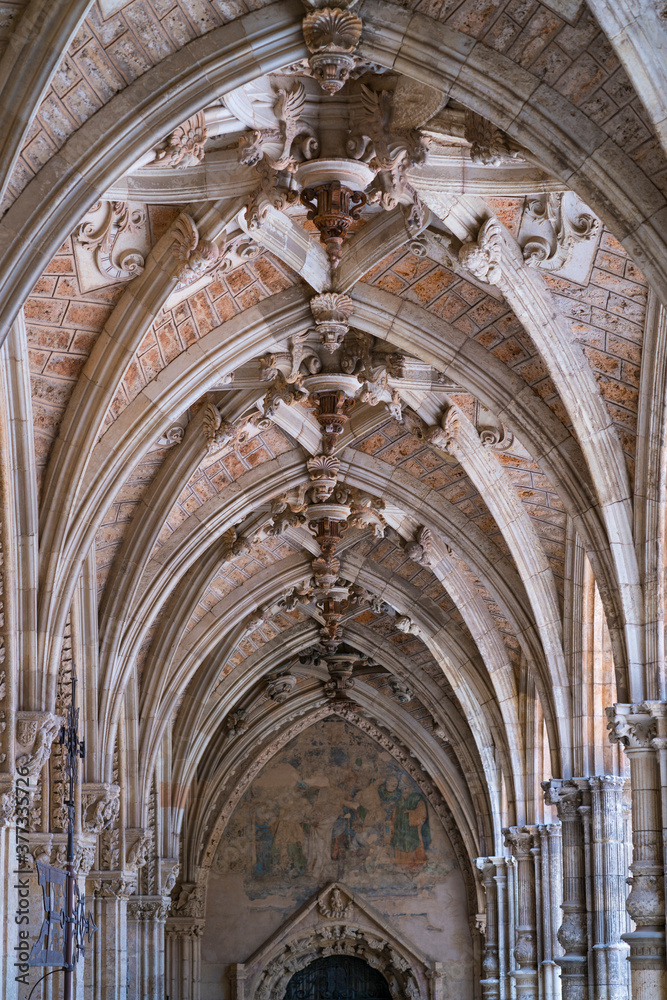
{"x":338,"y":977}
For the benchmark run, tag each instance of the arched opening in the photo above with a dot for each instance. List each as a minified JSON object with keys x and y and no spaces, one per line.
{"x":338,"y":977}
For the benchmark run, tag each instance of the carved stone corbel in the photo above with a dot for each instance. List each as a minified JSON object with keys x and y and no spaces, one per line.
{"x":35,"y":733}
{"x":420,"y":550}
{"x":483,"y":257}
{"x":100,"y":805}
{"x":405,"y":624}
{"x":137,"y":844}
{"x":489,"y":145}
{"x":445,"y":437}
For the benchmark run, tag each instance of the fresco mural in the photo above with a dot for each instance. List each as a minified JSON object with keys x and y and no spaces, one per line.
{"x":334,"y":806}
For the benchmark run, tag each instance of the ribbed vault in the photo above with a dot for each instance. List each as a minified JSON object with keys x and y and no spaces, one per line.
{"x":415,"y":482}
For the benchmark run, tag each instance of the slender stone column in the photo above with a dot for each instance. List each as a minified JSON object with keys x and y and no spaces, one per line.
{"x":106,"y":973}
{"x":608,"y":889}
{"x":183,"y":957}
{"x":635,"y":727}
{"x":490,"y":981}
{"x":520,"y":841}
{"x":9,"y":929}
{"x":552,"y":894}
{"x":501,"y":897}
{"x":145,"y":947}
{"x":573,"y":933}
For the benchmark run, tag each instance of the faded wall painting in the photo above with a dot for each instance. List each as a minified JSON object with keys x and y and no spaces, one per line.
{"x":335,"y":806}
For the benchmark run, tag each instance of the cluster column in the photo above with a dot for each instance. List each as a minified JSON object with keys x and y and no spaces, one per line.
{"x":145,"y":947}
{"x":183,"y":957}
{"x":490,"y":960}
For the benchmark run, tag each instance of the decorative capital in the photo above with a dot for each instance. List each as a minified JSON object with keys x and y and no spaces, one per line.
{"x":147,"y":908}
{"x":607,"y":782}
{"x":565,"y":795}
{"x":520,"y":840}
{"x":631,"y":725}
{"x":118,"y":886}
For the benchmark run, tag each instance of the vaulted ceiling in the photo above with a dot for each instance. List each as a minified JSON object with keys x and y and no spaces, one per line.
{"x":249,"y":471}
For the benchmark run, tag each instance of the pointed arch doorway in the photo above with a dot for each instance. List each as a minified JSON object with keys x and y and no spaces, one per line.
{"x":338,"y":977}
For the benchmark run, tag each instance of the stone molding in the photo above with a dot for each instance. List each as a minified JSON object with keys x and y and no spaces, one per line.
{"x":355,"y":928}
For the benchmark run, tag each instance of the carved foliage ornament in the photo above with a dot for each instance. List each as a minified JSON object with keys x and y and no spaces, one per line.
{"x":185,"y":146}
{"x":631,"y":725}
{"x":288,"y":109}
{"x":221,"y":432}
{"x":35,"y":733}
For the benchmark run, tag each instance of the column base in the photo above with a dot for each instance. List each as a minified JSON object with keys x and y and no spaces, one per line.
{"x":647,"y":963}
{"x":490,"y":988}
{"x":526,"y":983}
{"x":573,"y":976}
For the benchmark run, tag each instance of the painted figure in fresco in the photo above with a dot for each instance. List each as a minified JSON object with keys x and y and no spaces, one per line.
{"x":411,"y":836}
{"x":324,"y":815}
{"x":406,"y":822}
{"x":265,"y":818}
